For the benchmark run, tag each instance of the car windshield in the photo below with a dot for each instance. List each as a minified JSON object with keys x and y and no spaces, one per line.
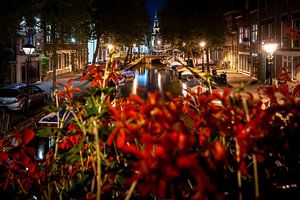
{"x":6,"y":92}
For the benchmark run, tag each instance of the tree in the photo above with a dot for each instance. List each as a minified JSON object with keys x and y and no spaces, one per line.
{"x":61,"y":21}
{"x":123,"y":21}
{"x":11,"y":16}
{"x":11,"y":13}
{"x":191,"y":22}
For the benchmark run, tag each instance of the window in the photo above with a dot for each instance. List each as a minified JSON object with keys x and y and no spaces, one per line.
{"x":51,"y":63}
{"x":267,"y":4}
{"x":254,"y":36}
{"x":241,"y":34}
{"x":263,"y":32}
{"x":270,"y":30}
{"x":296,"y":38}
{"x":59,"y":64}
{"x":246,"y":33}
{"x":34,"y":89}
{"x":66,"y":60}
{"x":290,"y":62}
{"x":284,"y":34}
{"x":48,"y":35}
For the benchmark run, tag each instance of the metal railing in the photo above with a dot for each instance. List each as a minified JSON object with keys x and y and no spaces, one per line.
{"x":4,"y":122}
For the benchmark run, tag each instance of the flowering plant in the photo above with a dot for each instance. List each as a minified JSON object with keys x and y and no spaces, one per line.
{"x":183,"y":148}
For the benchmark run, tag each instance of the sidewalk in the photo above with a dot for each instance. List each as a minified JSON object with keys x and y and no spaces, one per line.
{"x":67,"y":75}
{"x":234,"y":79}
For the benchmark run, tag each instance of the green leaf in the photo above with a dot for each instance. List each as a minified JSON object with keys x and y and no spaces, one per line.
{"x":73,"y":159}
{"x":46,"y":132}
{"x":75,"y":149}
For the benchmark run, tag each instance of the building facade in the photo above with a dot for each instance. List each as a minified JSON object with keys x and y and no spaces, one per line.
{"x":73,"y":55}
{"x":259,"y":22}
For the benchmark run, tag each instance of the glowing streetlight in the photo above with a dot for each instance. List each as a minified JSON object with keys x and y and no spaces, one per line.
{"x":28,"y":50}
{"x":270,"y":48}
{"x":110,"y":47}
{"x":202,"y":45}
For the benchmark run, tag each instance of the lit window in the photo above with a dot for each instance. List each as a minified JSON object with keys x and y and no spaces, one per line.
{"x":254,"y":36}
{"x":296,"y":38}
{"x":241,"y":34}
{"x":284,"y":35}
{"x":270,"y":30}
{"x":246,"y":33}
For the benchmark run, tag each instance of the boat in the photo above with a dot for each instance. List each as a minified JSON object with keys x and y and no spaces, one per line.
{"x":128,"y":74}
{"x":121,"y":80}
{"x":180,"y":68}
{"x":186,"y":75}
{"x":174,"y":64}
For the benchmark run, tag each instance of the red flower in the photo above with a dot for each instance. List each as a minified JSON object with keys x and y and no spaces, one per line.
{"x":22,"y":137}
{"x":68,"y":90}
{"x":70,"y":141}
{"x":3,"y":157}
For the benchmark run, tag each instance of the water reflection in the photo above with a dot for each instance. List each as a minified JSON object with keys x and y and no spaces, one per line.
{"x":152,"y":78}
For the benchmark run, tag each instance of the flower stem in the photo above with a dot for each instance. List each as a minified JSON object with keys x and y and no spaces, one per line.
{"x":131,"y":190}
{"x":256,"y":186}
{"x":98,"y":151}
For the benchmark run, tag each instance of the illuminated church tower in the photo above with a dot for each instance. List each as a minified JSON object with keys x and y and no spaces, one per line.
{"x":155,"y":41}
{"x":156,"y":24}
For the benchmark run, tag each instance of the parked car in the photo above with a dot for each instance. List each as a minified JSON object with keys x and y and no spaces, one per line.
{"x":17,"y":96}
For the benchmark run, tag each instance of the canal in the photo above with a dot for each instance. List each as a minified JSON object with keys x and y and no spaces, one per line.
{"x":154,"y":77}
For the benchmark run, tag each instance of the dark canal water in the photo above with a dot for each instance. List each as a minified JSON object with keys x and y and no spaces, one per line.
{"x":149,"y":78}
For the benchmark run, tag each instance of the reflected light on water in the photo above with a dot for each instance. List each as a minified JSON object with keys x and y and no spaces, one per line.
{"x":184,"y":87}
{"x":135,"y":85}
{"x":143,"y":78}
{"x":159,"y":82}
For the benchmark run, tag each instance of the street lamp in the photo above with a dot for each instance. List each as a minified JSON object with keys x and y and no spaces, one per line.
{"x":158,"y":46}
{"x":28,"y":50}
{"x":202,"y":45}
{"x":110,"y":47}
{"x":270,"y":48}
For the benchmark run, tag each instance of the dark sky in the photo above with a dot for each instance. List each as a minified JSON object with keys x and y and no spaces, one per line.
{"x":152,"y":6}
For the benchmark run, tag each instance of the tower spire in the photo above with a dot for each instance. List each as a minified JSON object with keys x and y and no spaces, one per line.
{"x":155,"y":23}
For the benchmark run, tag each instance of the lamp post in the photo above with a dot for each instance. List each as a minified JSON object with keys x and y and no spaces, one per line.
{"x":28,"y":50}
{"x":202,"y":45}
{"x":110,"y":47}
{"x":158,"y":46}
{"x":270,"y":48}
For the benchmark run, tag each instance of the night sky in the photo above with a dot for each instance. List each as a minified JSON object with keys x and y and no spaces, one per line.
{"x":152,"y":6}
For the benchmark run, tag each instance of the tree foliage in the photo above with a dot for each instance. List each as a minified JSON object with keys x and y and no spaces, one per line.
{"x":61,"y":21}
{"x":190,"y":22}
{"x":122,"y":21}
{"x":11,"y":13}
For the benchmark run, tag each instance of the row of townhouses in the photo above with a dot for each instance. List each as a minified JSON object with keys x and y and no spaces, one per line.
{"x":72,"y":55}
{"x":261,"y":22}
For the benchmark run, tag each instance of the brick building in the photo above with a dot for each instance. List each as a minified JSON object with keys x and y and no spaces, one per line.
{"x":258,"y":22}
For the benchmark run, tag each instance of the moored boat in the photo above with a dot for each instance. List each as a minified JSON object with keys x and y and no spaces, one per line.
{"x":128,"y":74}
